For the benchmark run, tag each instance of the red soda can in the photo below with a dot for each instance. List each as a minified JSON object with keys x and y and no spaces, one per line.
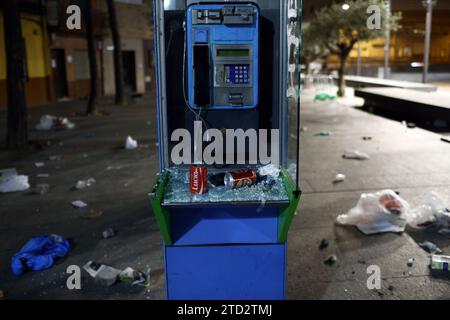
{"x":198,"y":179}
{"x":240,"y":179}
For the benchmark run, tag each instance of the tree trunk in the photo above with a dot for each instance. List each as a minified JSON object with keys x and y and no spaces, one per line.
{"x":341,"y":74}
{"x":92,"y":106}
{"x":118,"y":62}
{"x":17,"y":131}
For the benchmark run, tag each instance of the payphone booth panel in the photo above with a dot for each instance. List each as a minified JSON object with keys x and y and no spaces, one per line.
{"x":226,"y":62}
{"x":222,"y":52}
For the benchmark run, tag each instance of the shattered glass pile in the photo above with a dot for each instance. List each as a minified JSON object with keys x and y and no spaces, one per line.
{"x":177,"y":191}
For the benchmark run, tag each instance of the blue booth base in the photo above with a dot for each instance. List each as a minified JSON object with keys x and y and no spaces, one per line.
{"x":226,"y":272}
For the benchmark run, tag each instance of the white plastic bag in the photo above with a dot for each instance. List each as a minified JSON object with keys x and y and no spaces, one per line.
{"x":83,"y":184}
{"x":356,"y":155}
{"x":48,"y":122}
{"x":14,"y":183}
{"x":130,"y":143}
{"x":383,"y":211}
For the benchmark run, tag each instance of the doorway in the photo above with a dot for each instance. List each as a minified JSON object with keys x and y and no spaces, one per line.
{"x":59,"y":73}
{"x":129,"y":70}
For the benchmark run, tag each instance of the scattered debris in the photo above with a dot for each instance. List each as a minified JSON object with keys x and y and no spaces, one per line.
{"x":134,"y":277}
{"x":83,"y":184}
{"x":269,"y":170}
{"x":410,"y":262}
{"x":444,"y":231}
{"x":103,"y":274}
{"x":324,"y":244}
{"x":79,"y":204}
{"x":367,"y":138}
{"x":440,"y":263}
{"x":131,"y":144}
{"x":108,"y":233}
{"x":430,"y":247}
{"x":304,"y":129}
{"x":339,"y":178}
{"x":331,"y":260}
{"x":10,"y":181}
{"x":55,"y":158}
{"x":41,"y":189}
{"x":356,"y":155}
{"x":323,"y":134}
{"x":391,"y":288}
{"x":42,"y":175}
{"x":48,"y":122}
{"x":383,"y":211}
{"x":324,"y":96}
{"x":39,"y":254}
{"x":411,"y":125}
{"x":39,"y":164}
{"x":432,"y":213}
{"x":108,"y":276}
{"x":92,"y":214}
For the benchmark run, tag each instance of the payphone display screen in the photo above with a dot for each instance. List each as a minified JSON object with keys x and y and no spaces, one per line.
{"x":232,"y":53}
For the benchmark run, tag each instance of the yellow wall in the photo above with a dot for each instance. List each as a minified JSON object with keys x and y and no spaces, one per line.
{"x":34,"y":43}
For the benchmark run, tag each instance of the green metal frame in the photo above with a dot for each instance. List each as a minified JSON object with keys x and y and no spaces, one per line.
{"x":162,"y":215}
{"x":287,"y":214}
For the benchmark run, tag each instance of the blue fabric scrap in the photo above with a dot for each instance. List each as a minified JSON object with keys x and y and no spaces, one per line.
{"x":39,"y":254}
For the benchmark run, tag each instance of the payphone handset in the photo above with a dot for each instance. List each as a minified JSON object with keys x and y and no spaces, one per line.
{"x":222,"y":44}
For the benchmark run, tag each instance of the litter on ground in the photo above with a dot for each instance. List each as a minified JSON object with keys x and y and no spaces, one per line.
{"x":39,"y":254}
{"x":339,"y":178}
{"x":41,"y":188}
{"x":48,"y":123}
{"x":384,"y":211}
{"x":131,"y":144}
{"x":79,"y":204}
{"x":430,"y":247}
{"x":323,"y":134}
{"x":10,"y":181}
{"x":83,"y":184}
{"x":108,"y":276}
{"x":356,"y":155}
{"x":440,"y":263}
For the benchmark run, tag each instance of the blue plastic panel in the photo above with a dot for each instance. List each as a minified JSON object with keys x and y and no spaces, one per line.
{"x":238,"y":272}
{"x":224,"y":225}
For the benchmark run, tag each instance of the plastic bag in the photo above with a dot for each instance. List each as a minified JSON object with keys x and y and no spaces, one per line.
{"x":48,"y":122}
{"x":130,"y":143}
{"x":356,"y":155}
{"x":383,"y":211}
{"x":432,"y":213}
{"x":14,"y":183}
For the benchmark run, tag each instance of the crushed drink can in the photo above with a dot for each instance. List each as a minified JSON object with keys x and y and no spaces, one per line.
{"x":198,"y":179}
{"x":240,"y":179}
{"x":440,"y":263}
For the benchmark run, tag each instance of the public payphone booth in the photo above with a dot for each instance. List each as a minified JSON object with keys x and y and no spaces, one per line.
{"x":228,"y":119}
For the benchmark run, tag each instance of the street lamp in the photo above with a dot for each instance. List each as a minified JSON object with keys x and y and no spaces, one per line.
{"x":428,"y":25}
{"x":345,"y":6}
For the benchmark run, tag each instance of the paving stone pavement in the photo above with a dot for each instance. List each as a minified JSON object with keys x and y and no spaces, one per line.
{"x":411,"y":161}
